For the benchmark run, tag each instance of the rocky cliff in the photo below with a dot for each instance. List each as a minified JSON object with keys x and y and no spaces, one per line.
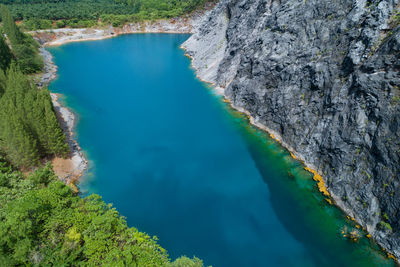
{"x":324,"y":78}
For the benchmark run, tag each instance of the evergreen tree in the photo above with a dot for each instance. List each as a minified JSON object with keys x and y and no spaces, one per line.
{"x":29,"y":128}
{"x":17,"y":85}
{"x":11,"y":29}
{"x":3,"y":80}
{"x":35,"y":118}
{"x":55,"y":135}
{"x":5,"y":54}
{"x":16,"y":141}
{"x":23,"y":46}
{"x":28,"y":58}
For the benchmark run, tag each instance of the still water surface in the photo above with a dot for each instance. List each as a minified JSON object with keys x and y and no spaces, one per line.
{"x":178,"y":163}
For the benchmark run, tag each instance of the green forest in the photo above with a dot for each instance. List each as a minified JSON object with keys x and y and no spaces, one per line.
{"x":45,"y":14}
{"x":42,"y":221}
{"x":24,"y":48}
{"x":29,"y":129}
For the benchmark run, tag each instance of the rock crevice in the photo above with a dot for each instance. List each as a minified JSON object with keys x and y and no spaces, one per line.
{"x":324,"y":78}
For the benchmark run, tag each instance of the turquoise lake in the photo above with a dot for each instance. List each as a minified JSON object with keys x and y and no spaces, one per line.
{"x":180,"y":164}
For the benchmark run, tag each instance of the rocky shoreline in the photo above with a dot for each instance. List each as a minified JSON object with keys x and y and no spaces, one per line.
{"x":321,"y":78}
{"x":71,"y":169}
{"x":219,"y":58}
{"x":55,"y":37}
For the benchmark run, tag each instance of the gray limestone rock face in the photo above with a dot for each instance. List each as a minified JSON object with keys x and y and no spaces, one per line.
{"x":325,"y":77}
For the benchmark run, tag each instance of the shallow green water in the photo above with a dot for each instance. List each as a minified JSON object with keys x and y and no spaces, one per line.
{"x":181,"y":165}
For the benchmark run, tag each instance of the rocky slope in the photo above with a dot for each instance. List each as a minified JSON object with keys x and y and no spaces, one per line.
{"x":324,"y":78}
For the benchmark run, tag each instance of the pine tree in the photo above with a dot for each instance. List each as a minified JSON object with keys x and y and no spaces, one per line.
{"x":11,"y":29}
{"x":29,"y":128}
{"x":35,"y":119}
{"x":15,"y":139}
{"x":55,"y":135}
{"x":23,"y":46}
{"x":27,"y":58}
{"x":36,"y":112}
{"x":24,"y":152}
{"x":3,"y":80}
{"x":17,"y":85}
{"x":5,"y":54}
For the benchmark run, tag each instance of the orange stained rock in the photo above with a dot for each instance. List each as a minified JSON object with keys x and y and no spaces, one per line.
{"x":368,"y":235}
{"x":321,"y":184}
{"x":351,"y":218}
{"x":73,"y":187}
{"x":354,"y":233}
{"x":390,"y":256}
{"x":292,"y":155}
{"x":328,"y":200}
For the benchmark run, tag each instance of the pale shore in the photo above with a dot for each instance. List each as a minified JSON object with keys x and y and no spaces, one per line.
{"x":77,"y":163}
{"x":70,"y":169}
{"x":56,"y":37}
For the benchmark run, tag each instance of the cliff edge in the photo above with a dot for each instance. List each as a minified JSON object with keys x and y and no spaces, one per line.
{"x":324,"y":78}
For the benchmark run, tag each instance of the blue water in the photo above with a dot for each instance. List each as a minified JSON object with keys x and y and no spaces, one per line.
{"x":181,"y":165}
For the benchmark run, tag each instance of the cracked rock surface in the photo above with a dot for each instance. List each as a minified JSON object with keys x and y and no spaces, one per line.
{"x":324,"y":77}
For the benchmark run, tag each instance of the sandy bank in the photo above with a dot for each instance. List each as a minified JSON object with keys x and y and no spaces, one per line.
{"x":70,"y":169}
{"x":57,"y":37}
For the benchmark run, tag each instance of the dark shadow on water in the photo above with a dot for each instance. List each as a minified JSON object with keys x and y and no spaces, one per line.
{"x":304,"y":213}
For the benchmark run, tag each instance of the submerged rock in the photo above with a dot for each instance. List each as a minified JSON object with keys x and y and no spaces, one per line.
{"x":323,"y":77}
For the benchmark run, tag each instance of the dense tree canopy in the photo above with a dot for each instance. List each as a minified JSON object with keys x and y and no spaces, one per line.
{"x":43,"y":223}
{"x":29,"y":129}
{"x":5,"y":57}
{"x":24,"y":48}
{"x":39,"y":14}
